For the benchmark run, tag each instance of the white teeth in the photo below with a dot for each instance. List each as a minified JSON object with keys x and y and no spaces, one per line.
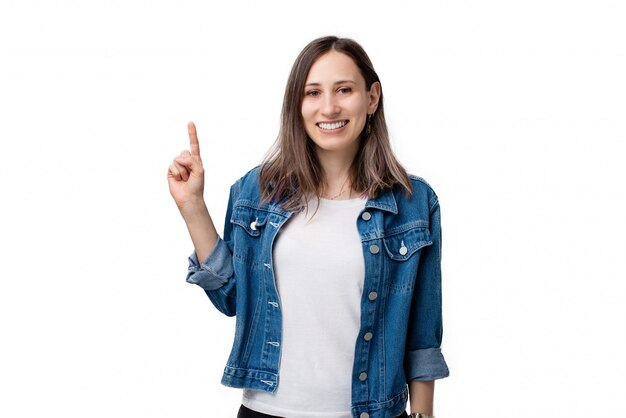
{"x":335,"y":125}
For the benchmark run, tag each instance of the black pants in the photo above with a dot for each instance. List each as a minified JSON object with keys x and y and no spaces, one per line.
{"x":249,"y":413}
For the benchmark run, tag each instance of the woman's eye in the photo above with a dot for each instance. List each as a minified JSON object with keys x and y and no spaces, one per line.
{"x":345,"y":90}
{"x":312,"y":93}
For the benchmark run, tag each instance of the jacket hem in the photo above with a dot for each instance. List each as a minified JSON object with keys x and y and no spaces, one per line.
{"x":390,"y":408}
{"x":250,"y":379}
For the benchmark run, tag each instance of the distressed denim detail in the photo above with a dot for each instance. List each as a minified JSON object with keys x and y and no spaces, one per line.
{"x":425,"y":364}
{"x":215,"y":271}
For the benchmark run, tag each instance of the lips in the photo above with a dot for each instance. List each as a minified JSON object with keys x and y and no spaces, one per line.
{"x":329,"y":126}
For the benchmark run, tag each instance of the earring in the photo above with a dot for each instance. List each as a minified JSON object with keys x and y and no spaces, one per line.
{"x":368,"y":126}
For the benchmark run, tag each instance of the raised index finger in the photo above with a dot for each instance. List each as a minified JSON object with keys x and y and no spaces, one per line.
{"x":193,"y":139}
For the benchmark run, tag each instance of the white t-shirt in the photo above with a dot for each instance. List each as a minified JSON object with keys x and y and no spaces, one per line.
{"x":319,"y":271}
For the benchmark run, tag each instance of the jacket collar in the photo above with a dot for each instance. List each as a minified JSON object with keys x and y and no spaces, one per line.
{"x":384,"y":201}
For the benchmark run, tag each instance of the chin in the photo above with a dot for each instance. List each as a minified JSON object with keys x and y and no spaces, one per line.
{"x":329,"y":146}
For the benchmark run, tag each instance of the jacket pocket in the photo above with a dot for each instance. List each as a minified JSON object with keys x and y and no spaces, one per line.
{"x":249,"y":217}
{"x":401,"y":246}
{"x":249,"y":223}
{"x":403,"y":249}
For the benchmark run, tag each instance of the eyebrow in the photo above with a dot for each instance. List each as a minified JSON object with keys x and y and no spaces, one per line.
{"x":335,"y":83}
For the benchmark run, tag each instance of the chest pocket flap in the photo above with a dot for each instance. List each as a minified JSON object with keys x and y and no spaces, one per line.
{"x":250,"y":218}
{"x":403,"y":245}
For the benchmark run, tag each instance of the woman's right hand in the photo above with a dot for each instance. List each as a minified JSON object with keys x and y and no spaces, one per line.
{"x":185,"y":174}
{"x":185,"y":177}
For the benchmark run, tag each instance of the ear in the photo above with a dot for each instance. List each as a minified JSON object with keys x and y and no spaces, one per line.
{"x":374,"y":97}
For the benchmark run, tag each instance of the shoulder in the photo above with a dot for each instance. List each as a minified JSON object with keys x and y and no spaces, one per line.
{"x":252,"y":176}
{"x":248,"y":183}
{"x":422,"y":193}
{"x":246,"y":191}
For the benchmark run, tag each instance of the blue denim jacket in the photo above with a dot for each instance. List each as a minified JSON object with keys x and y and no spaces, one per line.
{"x":400,"y":305}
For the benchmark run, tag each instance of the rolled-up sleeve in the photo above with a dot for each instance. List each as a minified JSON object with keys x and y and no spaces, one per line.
{"x":216,"y":274}
{"x":423,"y":357}
{"x":215,"y":271}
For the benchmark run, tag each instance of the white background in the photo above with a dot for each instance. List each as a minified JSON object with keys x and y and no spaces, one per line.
{"x":514,"y":111}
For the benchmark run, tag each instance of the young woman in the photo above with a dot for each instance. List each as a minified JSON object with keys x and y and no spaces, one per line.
{"x":330,"y":257}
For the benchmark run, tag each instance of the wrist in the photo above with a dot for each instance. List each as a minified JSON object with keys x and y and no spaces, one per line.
{"x":420,"y":415}
{"x":193,"y":208}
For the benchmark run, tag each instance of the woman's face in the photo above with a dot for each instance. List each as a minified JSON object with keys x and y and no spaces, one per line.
{"x":336,"y":104}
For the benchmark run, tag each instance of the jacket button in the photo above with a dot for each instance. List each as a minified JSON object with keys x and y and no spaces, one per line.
{"x":362,"y":376}
{"x":372,"y":296}
{"x":364,"y":415}
{"x":403,"y":250}
{"x":366,"y":216}
{"x":368,"y":336}
{"x":253,"y":225}
{"x":374,"y":249}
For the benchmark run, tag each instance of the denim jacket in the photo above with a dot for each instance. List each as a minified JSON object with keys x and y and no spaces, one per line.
{"x":400,"y":305}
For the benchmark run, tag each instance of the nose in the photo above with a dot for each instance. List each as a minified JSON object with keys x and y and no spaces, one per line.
{"x":330,"y":106}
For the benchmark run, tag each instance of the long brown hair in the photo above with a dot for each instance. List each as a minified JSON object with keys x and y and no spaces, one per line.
{"x":291,"y":170}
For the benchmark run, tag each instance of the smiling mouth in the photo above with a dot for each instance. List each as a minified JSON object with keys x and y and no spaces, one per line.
{"x":331,"y":126}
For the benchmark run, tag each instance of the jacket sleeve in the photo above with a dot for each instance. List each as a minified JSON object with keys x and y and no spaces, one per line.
{"x":215,"y":274}
{"x":423,"y":359}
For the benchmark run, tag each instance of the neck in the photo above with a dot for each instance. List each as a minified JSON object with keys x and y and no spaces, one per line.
{"x":336,"y":169}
